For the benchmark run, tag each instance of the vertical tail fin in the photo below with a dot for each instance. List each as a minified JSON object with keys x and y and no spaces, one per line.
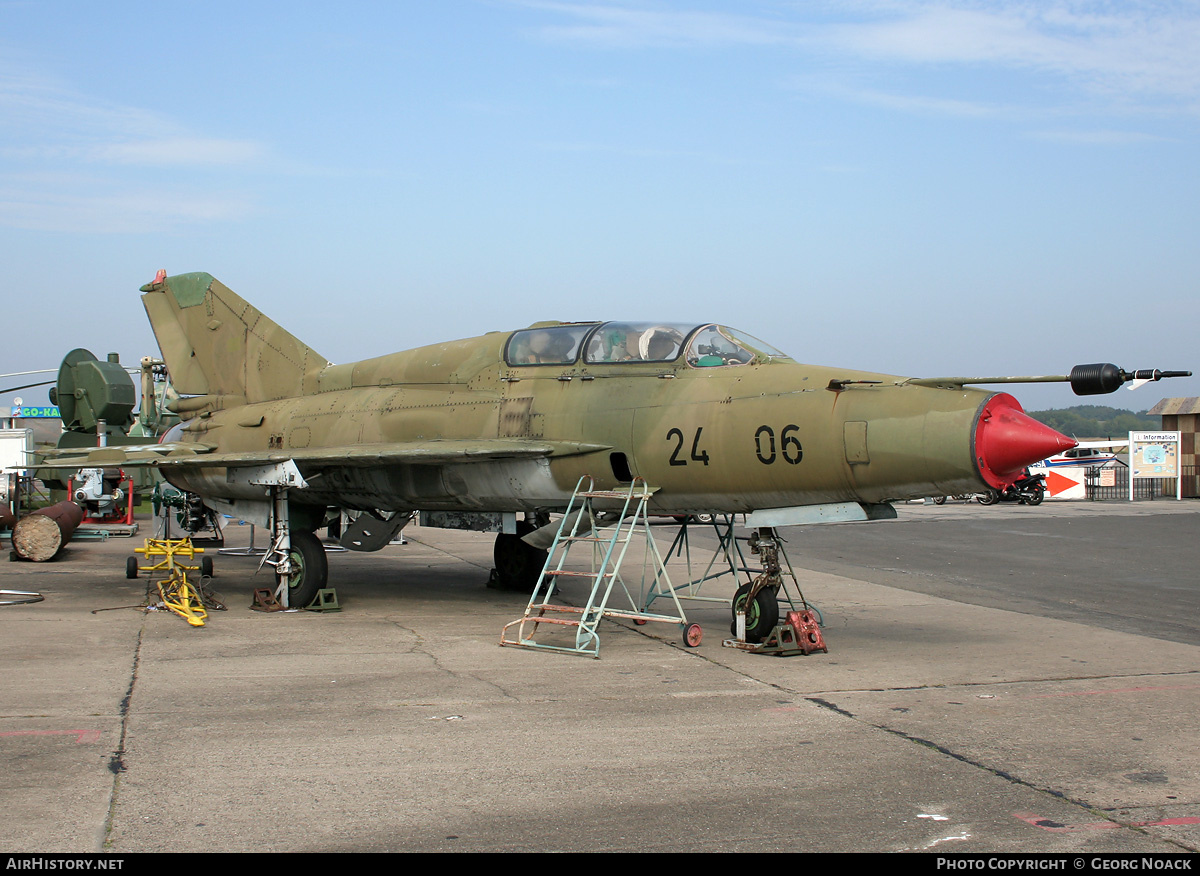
{"x":216,"y":344}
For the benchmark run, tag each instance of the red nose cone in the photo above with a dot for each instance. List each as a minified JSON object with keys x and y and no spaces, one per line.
{"x":1007,"y":440}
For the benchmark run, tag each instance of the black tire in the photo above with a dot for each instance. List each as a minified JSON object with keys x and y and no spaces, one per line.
{"x":762,"y":615}
{"x":990,"y":497}
{"x":704,"y":518}
{"x":939,"y":500}
{"x":131,"y":567}
{"x":1036,"y":496}
{"x":206,"y":567}
{"x":310,"y":569}
{"x":692,"y":635}
{"x":518,"y":565}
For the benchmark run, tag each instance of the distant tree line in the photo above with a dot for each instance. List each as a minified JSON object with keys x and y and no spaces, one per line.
{"x":1097,"y":421}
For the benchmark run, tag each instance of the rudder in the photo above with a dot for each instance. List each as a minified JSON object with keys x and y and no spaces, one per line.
{"x":216,"y":344}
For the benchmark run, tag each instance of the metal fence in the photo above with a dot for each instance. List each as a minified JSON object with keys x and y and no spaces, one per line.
{"x":1113,"y":483}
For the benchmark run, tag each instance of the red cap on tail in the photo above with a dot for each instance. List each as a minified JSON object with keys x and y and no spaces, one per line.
{"x":1007,"y":440}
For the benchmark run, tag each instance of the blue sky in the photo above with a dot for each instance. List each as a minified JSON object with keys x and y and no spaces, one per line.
{"x":920,"y":188}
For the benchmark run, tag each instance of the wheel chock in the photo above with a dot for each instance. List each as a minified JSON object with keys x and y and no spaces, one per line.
{"x":264,"y":600}
{"x":326,"y":600}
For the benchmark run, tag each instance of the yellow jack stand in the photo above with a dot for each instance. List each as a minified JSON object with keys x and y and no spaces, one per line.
{"x":177,"y":593}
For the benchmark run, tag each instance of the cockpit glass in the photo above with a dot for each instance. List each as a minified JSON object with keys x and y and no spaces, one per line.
{"x":610,"y":342}
{"x":636,"y":342}
{"x":715,"y":345}
{"x":762,"y":348}
{"x":709,"y":348}
{"x":552,"y":345}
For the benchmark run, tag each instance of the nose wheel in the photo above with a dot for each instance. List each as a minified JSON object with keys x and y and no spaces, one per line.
{"x":761,"y":610}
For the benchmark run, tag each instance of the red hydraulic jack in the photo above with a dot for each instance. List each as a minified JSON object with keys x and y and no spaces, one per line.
{"x":798,"y":634}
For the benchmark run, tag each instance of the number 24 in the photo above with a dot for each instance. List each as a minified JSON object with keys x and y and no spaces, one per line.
{"x":698,"y":455}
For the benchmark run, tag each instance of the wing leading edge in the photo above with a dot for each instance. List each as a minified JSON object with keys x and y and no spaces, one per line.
{"x":437,"y":451}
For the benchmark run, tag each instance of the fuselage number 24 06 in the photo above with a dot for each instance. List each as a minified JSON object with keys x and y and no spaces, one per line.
{"x":765,"y":446}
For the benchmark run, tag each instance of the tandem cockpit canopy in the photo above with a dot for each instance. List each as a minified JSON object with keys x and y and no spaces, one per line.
{"x":704,"y":346}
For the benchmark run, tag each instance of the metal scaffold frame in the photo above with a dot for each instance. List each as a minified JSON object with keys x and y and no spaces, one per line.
{"x":581,"y":525}
{"x":735,"y":563}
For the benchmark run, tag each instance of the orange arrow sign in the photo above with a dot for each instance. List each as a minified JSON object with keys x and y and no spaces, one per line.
{"x":1057,"y":483}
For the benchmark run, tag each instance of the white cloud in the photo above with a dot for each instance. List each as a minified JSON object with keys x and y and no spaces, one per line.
{"x":631,"y":25}
{"x":1132,"y":48}
{"x":77,"y":165}
{"x":633,"y":152}
{"x":1146,"y":49}
{"x":54,"y":208}
{"x":37,"y":114}
{"x":909,"y":103}
{"x":1096,"y":138}
{"x":193,"y":151}
{"x":33,"y":106}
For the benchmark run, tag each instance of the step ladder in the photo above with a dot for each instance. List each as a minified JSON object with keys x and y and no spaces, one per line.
{"x":580,"y":531}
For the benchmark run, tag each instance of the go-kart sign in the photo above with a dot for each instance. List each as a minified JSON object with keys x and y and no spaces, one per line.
{"x":1154,"y":455}
{"x":28,"y":412}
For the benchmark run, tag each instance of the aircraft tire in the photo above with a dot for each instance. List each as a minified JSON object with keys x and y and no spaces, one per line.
{"x":312,"y":572}
{"x":762,"y":615}
{"x":206,"y":567}
{"x":939,"y":500}
{"x":518,"y":565}
{"x":694,"y":518}
{"x":131,"y":567}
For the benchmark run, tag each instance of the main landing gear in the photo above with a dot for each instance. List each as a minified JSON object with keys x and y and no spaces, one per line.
{"x":518,"y":564}
{"x":307,"y":569}
{"x":297,"y":557}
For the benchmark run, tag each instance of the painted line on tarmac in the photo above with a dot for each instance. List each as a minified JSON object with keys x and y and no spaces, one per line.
{"x":1057,"y":827}
{"x":81,"y":736}
{"x":1119,"y":690}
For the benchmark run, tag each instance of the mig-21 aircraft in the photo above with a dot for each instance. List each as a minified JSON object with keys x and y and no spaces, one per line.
{"x":710,"y":418}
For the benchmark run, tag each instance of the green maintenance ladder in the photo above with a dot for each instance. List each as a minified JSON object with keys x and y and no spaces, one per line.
{"x":580,"y":527}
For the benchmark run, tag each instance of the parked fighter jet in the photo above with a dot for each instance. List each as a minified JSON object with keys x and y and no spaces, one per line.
{"x":507,"y":423}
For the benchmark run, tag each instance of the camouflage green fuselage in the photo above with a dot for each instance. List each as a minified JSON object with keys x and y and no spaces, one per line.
{"x":765,"y":434}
